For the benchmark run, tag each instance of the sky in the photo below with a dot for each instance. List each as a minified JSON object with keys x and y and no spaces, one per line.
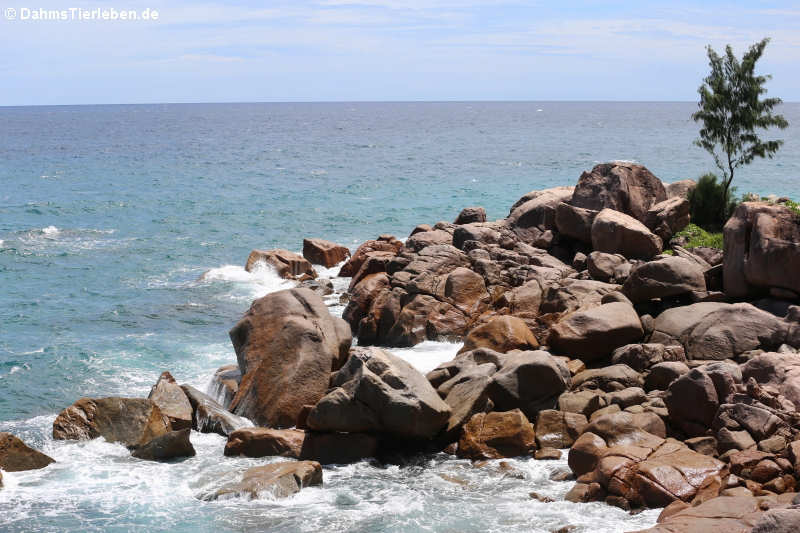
{"x":385,"y":50}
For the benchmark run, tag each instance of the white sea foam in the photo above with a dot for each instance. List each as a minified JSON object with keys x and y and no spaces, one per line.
{"x":50,"y":230}
{"x":427,"y":355}
{"x":260,"y":281}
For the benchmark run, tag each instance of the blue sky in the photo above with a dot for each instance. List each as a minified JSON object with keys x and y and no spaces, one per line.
{"x":331,"y":50}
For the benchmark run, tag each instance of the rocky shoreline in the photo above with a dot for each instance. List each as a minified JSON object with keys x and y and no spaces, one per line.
{"x":674,"y":380}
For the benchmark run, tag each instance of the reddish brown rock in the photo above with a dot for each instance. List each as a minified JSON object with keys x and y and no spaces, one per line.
{"x":614,"y":232}
{"x":559,"y":429}
{"x":495,"y":435}
{"x":362,"y":297}
{"x":326,"y":448}
{"x":16,"y":456}
{"x":287,"y":344}
{"x":325,"y":253}
{"x":279,"y":480}
{"x":469,"y":215}
{"x":667,"y":218}
{"x":129,"y":421}
{"x":172,"y":401}
{"x":596,"y":332}
{"x":625,"y":187}
{"x":501,"y":334}
{"x":288,"y":265}
{"x":385,"y":243}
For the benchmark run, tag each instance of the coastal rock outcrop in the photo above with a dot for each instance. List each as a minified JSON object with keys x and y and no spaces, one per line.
{"x":377,"y":392}
{"x":615,"y":232}
{"x":129,"y":421}
{"x":670,"y":276}
{"x":277,"y":480}
{"x":16,"y":456}
{"x":385,"y":246}
{"x":208,"y":416}
{"x":596,"y":332}
{"x":287,"y":344}
{"x":325,"y":448}
{"x":172,"y":401}
{"x":530,"y":381}
{"x":288,"y":265}
{"x":761,"y":250}
{"x":496,"y":435}
{"x":171,"y":445}
{"x":325,"y":253}
{"x":501,"y":334}
{"x":625,"y":187}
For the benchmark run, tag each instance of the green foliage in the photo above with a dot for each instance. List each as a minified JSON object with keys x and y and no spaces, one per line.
{"x":697,"y":236}
{"x":794,"y":206}
{"x":710,"y":203}
{"x":731,"y":111}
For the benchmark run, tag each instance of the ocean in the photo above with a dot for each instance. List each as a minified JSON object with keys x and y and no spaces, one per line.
{"x":123,"y":233}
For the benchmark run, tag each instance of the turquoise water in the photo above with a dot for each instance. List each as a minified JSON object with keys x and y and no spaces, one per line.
{"x":110,"y":215}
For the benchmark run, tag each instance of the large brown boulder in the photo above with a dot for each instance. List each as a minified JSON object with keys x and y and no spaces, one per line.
{"x":278,"y":480}
{"x":607,"y":267}
{"x":288,"y":265}
{"x":615,"y":232}
{"x":326,"y":448}
{"x":680,"y":189}
{"x":607,"y":378}
{"x":172,"y":445}
{"x":673,"y":324}
{"x":692,"y":402}
{"x":501,"y":334}
{"x":640,"y":357}
{"x":780,"y":371}
{"x":496,"y":435}
{"x":596,"y":332}
{"x":172,"y":401}
{"x":385,"y":244}
{"x":535,"y":213}
{"x":377,"y":392}
{"x":558,"y":429}
{"x":575,"y":222}
{"x":129,"y":421}
{"x":325,"y":253}
{"x":287,"y":344}
{"x":670,"y":276}
{"x":423,"y":239}
{"x":469,"y":215}
{"x":667,"y":218}
{"x":16,"y":456}
{"x":208,"y":416}
{"x":530,"y":381}
{"x":362,"y":296}
{"x":762,"y":250}
{"x":621,"y":186}
{"x":727,"y":514}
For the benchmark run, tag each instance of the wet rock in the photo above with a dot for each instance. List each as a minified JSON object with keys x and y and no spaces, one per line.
{"x":496,"y":435}
{"x":129,"y":421}
{"x":326,"y":448}
{"x":225,"y":384}
{"x":171,"y":400}
{"x":558,"y":429}
{"x":501,"y":334}
{"x":376,"y":391}
{"x":670,"y":276}
{"x":288,"y":265}
{"x":468,"y":215}
{"x":625,"y":187}
{"x":547,"y":454}
{"x":171,"y":445}
{"x":287,"y":344}
{"x":16,"y":456}
{"x":325,"y":253}
{"x":278,"y":480}
{"x":208,"y":416}
{"x":530,"y":381}
{"x":596,"y":332}
{"x":615,"y":232}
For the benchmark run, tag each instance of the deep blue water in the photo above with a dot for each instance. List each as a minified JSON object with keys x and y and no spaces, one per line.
{"x":109,"y":215}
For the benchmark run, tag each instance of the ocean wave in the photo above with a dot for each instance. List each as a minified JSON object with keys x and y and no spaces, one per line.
{"x":261,"y":280}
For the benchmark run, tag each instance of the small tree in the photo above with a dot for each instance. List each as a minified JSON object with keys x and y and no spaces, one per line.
{"x":731,"y":111}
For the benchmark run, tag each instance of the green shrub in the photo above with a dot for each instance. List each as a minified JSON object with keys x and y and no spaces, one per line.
{"x":697,"y":236}
{"x":710,"y":205}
